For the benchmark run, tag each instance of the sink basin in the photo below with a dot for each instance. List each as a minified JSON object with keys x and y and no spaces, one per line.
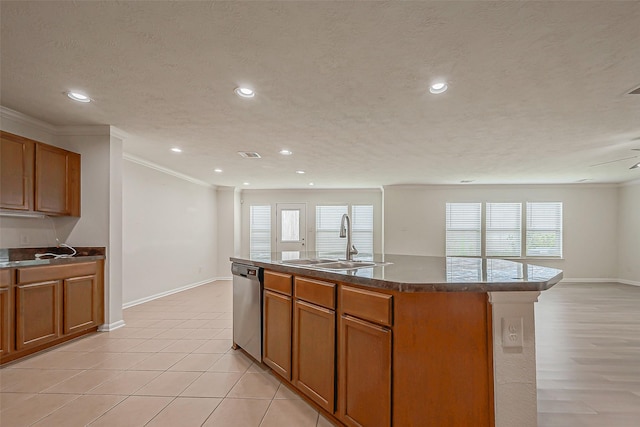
{"x":346,"y":265}
{"x":330,"y":264}
{"x":307,"y":261}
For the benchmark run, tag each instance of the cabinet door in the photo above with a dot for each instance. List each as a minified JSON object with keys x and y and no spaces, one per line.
{"x":314,"y":353}
{"x":5,"y":320}
{"x":79,"y":304}
{"x":57,"y":187}
{"x":37,"y":313}
{"x":365,"y":373}
{"x":16,"y":170}
{"x":277,"y":333}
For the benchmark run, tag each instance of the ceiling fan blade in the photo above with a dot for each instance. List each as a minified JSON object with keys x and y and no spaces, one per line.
{"x":613,"y":161}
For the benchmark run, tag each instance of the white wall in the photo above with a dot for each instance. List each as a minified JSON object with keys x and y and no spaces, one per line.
{"x":312,"y":198}
{"x":169,"y":232}
{"x":415,"y":221}
{"x":629,"y":233}
{"x":228,"y":224}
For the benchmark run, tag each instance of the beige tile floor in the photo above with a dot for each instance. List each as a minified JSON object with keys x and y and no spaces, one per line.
{"x":172,"y":365}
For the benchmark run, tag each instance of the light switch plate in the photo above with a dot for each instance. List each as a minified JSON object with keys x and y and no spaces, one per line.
{"x":512,"y":332}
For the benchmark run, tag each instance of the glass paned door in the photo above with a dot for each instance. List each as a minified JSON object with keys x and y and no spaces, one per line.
{"x":291,"y":222}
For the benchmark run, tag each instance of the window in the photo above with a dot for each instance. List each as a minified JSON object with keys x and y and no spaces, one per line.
{"x":503,"y":233}
{"x":328,"y":240}
{"x":259,"y":229}
{"x":544,"y":229}
{"x":503,"y":229}
{"x":464,"y":229}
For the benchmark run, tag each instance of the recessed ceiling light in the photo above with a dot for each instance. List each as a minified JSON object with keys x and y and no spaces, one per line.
{"x":245,"y":183}
{"x":467,"y":181}
{"x":77,"y":96}
{"x":286,"y":152}
{"x":249,"y":154}
{"x":311,"y":184}
{"x":244,"y":92}
{"x":176,"y":150}
{"x":300,"y":172}
{"x":584,"y":180}
{"x":217,"y":170}
{"x":437,"y":88}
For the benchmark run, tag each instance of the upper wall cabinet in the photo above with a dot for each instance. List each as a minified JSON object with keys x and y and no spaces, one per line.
{"x":16,"y":166}
{"x":39,"y":177}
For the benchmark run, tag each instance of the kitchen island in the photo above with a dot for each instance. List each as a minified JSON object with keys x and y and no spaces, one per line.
{"x":409,"y":341}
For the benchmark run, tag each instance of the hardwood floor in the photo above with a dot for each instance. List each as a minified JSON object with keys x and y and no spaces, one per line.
{"x":588,"y":355}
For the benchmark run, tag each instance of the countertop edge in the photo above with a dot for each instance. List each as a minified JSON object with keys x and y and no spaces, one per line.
{"x":403,"y":286}
{"x":50,"y":261}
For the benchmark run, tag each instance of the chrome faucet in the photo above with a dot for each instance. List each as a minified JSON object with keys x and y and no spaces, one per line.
{"x":345,"y":231}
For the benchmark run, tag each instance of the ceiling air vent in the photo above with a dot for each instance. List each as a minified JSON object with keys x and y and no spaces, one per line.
{"x":249,"y":154}
{"x":636,"y":91}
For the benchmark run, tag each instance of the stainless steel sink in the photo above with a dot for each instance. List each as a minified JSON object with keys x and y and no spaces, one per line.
{"x":346,"y":265}
{"x":330,"y":264}
{"x":313,"y":261}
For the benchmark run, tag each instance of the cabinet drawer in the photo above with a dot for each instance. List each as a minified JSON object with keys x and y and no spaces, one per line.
{"x":55,"y":272}
{"x":315,"y":291}
{"x":372,"y":306}
{"x":5,"y":278}
{"x":278,"y":282}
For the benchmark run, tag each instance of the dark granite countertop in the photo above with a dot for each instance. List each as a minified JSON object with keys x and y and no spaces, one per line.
{"x":25,"y":257}
{"x":408,"y":273}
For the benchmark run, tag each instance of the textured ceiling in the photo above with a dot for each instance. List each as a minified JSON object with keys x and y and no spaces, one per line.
{"x":537,"y":90}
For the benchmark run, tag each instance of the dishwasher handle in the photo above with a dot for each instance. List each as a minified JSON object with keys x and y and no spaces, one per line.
{"x":247,"y":271}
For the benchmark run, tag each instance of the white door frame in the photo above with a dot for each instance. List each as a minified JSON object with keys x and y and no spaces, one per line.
{"x":291,"y":245}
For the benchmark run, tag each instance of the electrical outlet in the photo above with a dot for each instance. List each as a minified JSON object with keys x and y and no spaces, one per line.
{"x":24,"y":239}
{"x":512,"y":331}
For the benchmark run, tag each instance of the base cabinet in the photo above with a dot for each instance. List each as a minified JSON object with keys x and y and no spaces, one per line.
{"x":314,"y":353}
{"x":365,"y":373}
{"x":80,"y":304}
{"x":277,"y":333}
{"x":37,"y":314}
{"x":6,"y":313}
{"x":47,"y":305}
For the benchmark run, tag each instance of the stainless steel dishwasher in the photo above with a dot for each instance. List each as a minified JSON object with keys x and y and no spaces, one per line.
{"x":247,"y":309}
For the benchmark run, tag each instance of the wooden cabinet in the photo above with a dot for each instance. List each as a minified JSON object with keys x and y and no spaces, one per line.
{"x":314,"y":338}
{"x":365,"y":351}
{"x":48,"y":305}
{"x":80,"y":303}
{"x":37,"y":314}
{"x":57,"y":181}
{"x":38,"y":177}
{"x":277,"y":322}
{"x":277,"y":333}
{"x":16,"y":172}
{"x":6,"y":312}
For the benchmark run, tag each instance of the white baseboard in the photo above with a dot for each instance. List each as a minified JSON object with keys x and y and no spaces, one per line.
{"x":108,"y":327}
{"x":170,"y":292}
{"x":629,"y":282}
{"x":588,"y":280}
{"x":225,"y":278}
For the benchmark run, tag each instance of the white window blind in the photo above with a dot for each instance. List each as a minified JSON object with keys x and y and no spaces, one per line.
{"x":328,"y":241}
{"x":259,"y":229}
{"x":544,"y":229}
{"x":362,"y":222}
{"x":464,"y":229}
{"x":504,"y":229}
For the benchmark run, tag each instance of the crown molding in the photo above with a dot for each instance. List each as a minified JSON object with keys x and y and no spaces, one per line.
{"x":7,"y":113}
{"x":151,"y":165}
{"x":93,"y":130}
{"x":118,"y":133}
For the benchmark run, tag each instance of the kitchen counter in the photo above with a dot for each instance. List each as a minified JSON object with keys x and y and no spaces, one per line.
{"x":25,"y":257}
{"x":408,"y":273}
